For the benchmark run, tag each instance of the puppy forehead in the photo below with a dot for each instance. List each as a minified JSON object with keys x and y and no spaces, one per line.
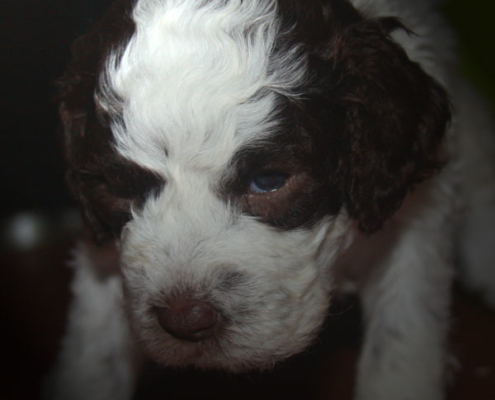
{"x":196,"y":81}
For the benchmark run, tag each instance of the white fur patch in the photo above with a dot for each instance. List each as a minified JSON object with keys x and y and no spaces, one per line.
{"x":196,"y":80}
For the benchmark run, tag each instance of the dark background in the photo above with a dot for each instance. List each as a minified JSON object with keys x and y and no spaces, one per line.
{"x":35,"y":36}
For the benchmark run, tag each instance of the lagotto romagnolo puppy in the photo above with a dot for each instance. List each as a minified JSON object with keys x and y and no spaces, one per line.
{"x":239,"y":162}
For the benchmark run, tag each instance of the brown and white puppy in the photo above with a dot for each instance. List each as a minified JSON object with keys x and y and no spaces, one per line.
{"x":250,"y":158}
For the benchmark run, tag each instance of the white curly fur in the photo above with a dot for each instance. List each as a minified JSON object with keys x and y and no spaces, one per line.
{"x":184,"y":84}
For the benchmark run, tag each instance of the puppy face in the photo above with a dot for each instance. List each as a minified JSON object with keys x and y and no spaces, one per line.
{"x":230,"y":148}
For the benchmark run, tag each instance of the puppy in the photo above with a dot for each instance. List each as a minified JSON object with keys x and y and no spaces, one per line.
{"x":246,"y":160}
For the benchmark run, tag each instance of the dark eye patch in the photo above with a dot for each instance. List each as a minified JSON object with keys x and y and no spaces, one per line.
{"x":278,"y":184}
{"x":109,"y":191}
{"x":291,"y":179}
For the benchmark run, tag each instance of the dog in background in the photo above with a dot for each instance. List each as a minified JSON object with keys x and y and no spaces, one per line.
{"x":240,"y":162}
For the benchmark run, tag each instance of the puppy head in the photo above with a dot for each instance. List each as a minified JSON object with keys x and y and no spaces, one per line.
{"x":230,"y":147}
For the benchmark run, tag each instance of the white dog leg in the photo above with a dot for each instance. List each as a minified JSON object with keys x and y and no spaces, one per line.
{"x":96,"y":361}
{"x":406,"y":303}
{"x":476,"y":241}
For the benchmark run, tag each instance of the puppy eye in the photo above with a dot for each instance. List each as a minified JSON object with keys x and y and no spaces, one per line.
{"x":268,"y":182}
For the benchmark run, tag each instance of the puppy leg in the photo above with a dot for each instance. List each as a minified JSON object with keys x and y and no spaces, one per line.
{"x":96,"y":360}
{"x":477,"y":233}
{"x":406,"y":308}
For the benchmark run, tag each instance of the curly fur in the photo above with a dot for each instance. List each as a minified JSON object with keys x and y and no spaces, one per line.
{"x":171,"y":109}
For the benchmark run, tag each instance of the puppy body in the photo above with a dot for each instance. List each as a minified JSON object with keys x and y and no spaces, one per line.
{"x":178,"y":112}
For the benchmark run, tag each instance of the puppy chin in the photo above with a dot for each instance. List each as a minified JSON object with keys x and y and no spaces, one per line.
{"x":212,"y":354}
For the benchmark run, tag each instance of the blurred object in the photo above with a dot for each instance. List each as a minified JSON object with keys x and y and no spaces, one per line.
{"x":30,"y":230}
{"x":34,"y":293}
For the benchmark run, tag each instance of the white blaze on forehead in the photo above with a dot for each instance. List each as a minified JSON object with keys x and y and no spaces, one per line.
{"x":197,"y":79}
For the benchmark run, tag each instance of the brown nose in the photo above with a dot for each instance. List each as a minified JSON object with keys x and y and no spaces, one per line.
{"x":190,"y":320}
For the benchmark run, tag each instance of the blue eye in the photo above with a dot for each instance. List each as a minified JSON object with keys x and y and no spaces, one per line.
{"x":268,"y":182}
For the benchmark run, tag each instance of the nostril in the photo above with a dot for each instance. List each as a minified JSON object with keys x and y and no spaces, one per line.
{"x":190,"y":320}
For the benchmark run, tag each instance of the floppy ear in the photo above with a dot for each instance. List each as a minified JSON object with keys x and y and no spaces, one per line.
{"x":396,"y":117}
{"x":104,"y":184}
{"x":82,"y":162}
{"x":87,"y":138}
